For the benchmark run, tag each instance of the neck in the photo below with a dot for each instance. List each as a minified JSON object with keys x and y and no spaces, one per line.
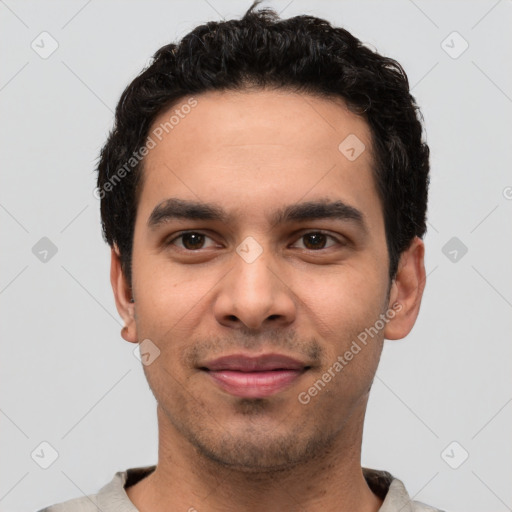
{"x":186,"y":479}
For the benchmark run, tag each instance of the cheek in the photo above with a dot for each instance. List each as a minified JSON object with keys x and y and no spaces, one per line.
{"x":169,"y":296}
{"x":342,"y":317}
{"x":343,"y":310}
{"x":343,"y":299}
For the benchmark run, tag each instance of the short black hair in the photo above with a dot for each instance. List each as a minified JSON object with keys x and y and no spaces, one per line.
{"x":303,"y":54}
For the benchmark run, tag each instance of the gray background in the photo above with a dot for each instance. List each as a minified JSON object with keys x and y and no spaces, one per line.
{"x":68,"y":379}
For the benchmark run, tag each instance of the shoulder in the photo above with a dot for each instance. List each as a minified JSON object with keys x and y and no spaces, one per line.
{"x":111,"y":497}
{"x":393,"y":493}
{"x":418,"y":506}
{"x":83,"y":504}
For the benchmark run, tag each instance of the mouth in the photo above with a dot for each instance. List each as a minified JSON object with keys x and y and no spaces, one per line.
{"x":254,"y":377}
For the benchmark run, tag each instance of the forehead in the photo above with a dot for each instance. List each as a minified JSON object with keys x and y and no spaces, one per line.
{"x":258,"y":147}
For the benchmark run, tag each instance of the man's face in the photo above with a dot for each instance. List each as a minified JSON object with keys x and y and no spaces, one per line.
{"x":260,"y":274}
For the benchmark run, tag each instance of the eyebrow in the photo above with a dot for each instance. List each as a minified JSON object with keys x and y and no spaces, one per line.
{"x":175,"y":208}
{"x":185,"y":209}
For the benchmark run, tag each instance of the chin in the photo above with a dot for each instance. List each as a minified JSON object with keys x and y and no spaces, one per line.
{"x":255,"y":450}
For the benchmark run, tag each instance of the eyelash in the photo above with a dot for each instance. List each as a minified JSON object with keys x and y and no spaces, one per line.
{"x":319,"y":232}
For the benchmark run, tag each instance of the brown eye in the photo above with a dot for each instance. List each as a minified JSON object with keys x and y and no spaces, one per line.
{"x":315,"y":240}
{"x":191,"y":241}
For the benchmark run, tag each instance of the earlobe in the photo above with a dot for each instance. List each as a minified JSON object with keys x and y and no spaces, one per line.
{"x":406,"y":291}
{"x":123,"y":297}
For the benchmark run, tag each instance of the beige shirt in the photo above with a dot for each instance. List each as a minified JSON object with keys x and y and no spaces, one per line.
{"x":113,"y":498}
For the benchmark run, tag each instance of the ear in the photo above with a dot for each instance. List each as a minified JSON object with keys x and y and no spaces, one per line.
{"x":406,"y":291}
{"x":123,"y":297}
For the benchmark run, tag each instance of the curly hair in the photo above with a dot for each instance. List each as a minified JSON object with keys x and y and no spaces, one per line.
{"x":302,"y":54}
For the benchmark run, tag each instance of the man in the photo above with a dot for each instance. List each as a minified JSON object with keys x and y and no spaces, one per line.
{"x":264,"y":193}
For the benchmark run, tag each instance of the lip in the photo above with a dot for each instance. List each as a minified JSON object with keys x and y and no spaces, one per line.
{"x":260,"y":363}
{"x":254,"y":376}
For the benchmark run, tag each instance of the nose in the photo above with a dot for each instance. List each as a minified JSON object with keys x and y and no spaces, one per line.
{"x":254,"y":295}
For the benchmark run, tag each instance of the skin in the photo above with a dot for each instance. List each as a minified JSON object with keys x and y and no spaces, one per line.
{"x":252,"y":153}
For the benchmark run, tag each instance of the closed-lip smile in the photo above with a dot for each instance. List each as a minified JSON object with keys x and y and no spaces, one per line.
{"x":251,"y":376}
